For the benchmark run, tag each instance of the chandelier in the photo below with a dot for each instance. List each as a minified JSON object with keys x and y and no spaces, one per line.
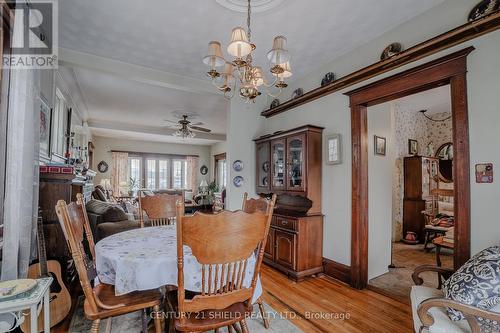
{"x":226,"y":75}
{"x":184,"y":133}
{"x":435,"y":120}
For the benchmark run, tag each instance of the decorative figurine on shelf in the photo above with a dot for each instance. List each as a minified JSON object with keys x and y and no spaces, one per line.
{"x":483,"y":9}
{"x":327,"y":79}
{"x":391,"y":50}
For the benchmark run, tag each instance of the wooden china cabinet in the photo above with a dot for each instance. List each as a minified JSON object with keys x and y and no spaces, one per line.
{"x":289,"y":164}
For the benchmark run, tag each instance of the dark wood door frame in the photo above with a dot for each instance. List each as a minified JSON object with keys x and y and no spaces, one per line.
{"x":452,"y":70}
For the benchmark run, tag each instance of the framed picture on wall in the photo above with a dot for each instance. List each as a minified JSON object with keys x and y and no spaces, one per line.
{"x":333,"y":149}
{"x":45,"y":127}
{"x":412,"y":147}
{"x":379,"y":145}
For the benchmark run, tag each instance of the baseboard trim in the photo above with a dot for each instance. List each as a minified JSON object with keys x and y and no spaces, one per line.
{"x":337,"y":271}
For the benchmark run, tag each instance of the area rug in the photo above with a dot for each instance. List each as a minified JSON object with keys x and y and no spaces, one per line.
{"x":131,"y":323}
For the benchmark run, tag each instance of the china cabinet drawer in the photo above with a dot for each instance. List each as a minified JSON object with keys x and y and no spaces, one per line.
{"x":285,"y":223}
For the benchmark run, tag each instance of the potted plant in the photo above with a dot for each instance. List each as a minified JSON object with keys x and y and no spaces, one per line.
{"x":133,"y":186}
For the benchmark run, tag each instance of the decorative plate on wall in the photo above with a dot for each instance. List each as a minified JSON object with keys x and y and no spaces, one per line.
{"x":238,"y":165}
{"x":102,"y":167}
{"x":265,"y":166}
{"x":203,"y":170}
{"x":238,"y":181}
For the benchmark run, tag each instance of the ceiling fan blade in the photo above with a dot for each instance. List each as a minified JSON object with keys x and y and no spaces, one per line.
{"x":201,"y":129}
{"x":197,"y":124}
{"x":171,"y":121}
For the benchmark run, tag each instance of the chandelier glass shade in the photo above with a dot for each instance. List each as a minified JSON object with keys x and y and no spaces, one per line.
{"x":240,"y":71}
{"x":184,"y":133}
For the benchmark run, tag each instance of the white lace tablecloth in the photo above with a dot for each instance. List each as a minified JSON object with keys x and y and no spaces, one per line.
{"x":144,"y":259}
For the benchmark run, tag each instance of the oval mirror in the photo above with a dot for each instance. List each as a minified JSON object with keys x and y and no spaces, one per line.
{"x":445,"y":155}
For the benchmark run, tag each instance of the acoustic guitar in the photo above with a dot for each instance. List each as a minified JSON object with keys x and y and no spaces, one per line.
{"x":60,"y":299}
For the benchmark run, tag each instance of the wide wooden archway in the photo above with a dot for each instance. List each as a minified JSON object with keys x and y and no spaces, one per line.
{"x":451,"y":70}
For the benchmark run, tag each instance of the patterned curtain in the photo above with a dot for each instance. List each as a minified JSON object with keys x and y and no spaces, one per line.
{"x":119,"y":173}
{"x":192,"y":172}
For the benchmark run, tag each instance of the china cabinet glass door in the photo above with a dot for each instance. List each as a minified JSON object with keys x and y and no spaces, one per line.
{"x":263,"y":167}
{"x":278,"y":165}
{"x":296,"y":163}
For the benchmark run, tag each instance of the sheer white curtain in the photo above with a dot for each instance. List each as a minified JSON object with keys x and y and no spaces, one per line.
{"x":192,"y":172}
{"x":119,"y":173}
{"x":21,"y":173}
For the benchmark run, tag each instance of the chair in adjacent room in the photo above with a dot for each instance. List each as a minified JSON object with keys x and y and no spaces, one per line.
{"x":158,"y":209}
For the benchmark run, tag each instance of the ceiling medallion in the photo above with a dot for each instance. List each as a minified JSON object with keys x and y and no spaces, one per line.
{"x":225,"y":75}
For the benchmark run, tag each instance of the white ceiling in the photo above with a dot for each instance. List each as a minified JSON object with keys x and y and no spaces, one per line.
{"x":437,"y":100}
{"x":173,"y":35}
{"x":112,"y":98}
{"x":106,"y":38}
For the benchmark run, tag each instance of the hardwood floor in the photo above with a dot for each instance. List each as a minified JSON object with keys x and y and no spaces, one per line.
{"x":319,"y":304}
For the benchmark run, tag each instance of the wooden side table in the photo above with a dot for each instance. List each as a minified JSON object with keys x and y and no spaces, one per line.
{"x":31,"y":300}
{"x":439,"y":242}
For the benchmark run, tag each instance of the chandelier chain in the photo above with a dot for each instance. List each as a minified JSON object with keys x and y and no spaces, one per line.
{"x":249,"y":13}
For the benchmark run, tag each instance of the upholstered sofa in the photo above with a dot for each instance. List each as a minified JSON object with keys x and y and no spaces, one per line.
{"x":431,"y":307}
{"x":107,"y":219}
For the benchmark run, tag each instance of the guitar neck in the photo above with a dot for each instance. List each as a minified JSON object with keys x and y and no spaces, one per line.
{"x":42,"y":255}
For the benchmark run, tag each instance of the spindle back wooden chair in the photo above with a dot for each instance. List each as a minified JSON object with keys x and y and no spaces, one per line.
{"x":222,"y":244}
{"x":100,"y":301}
{"x":88,"y":230}
{"x":265,"y":206}
{"x":160,"y":208}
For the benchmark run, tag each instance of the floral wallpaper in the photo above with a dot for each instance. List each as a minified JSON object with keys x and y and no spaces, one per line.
{"x":410,"y":124}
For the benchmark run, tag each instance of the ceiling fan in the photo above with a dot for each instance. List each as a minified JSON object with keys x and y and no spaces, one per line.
{"x":185,"y":127}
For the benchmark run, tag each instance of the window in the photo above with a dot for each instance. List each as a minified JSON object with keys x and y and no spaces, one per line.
{"x":220,"y":170}
{"x":151,"y":174}
{"x":58,"y":118}
{"x":163,"y":174}
{"x":160,"y":172}
{"x":135,"y":169}
{"x":179,"y":174}
{"x":221,"y":173}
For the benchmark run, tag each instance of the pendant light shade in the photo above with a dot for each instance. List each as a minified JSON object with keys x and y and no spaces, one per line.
{"x":239,"y":46}
{"x":279,"y":54}
{"x":214,"y":57}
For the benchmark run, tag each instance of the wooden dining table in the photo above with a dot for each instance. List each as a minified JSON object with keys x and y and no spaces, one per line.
{"x":146,"y":258}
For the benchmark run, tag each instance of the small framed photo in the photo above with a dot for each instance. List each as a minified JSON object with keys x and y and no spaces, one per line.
{"x":379,"y":145}
{"x":412,"y":147}
{"x":334,"y":149}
